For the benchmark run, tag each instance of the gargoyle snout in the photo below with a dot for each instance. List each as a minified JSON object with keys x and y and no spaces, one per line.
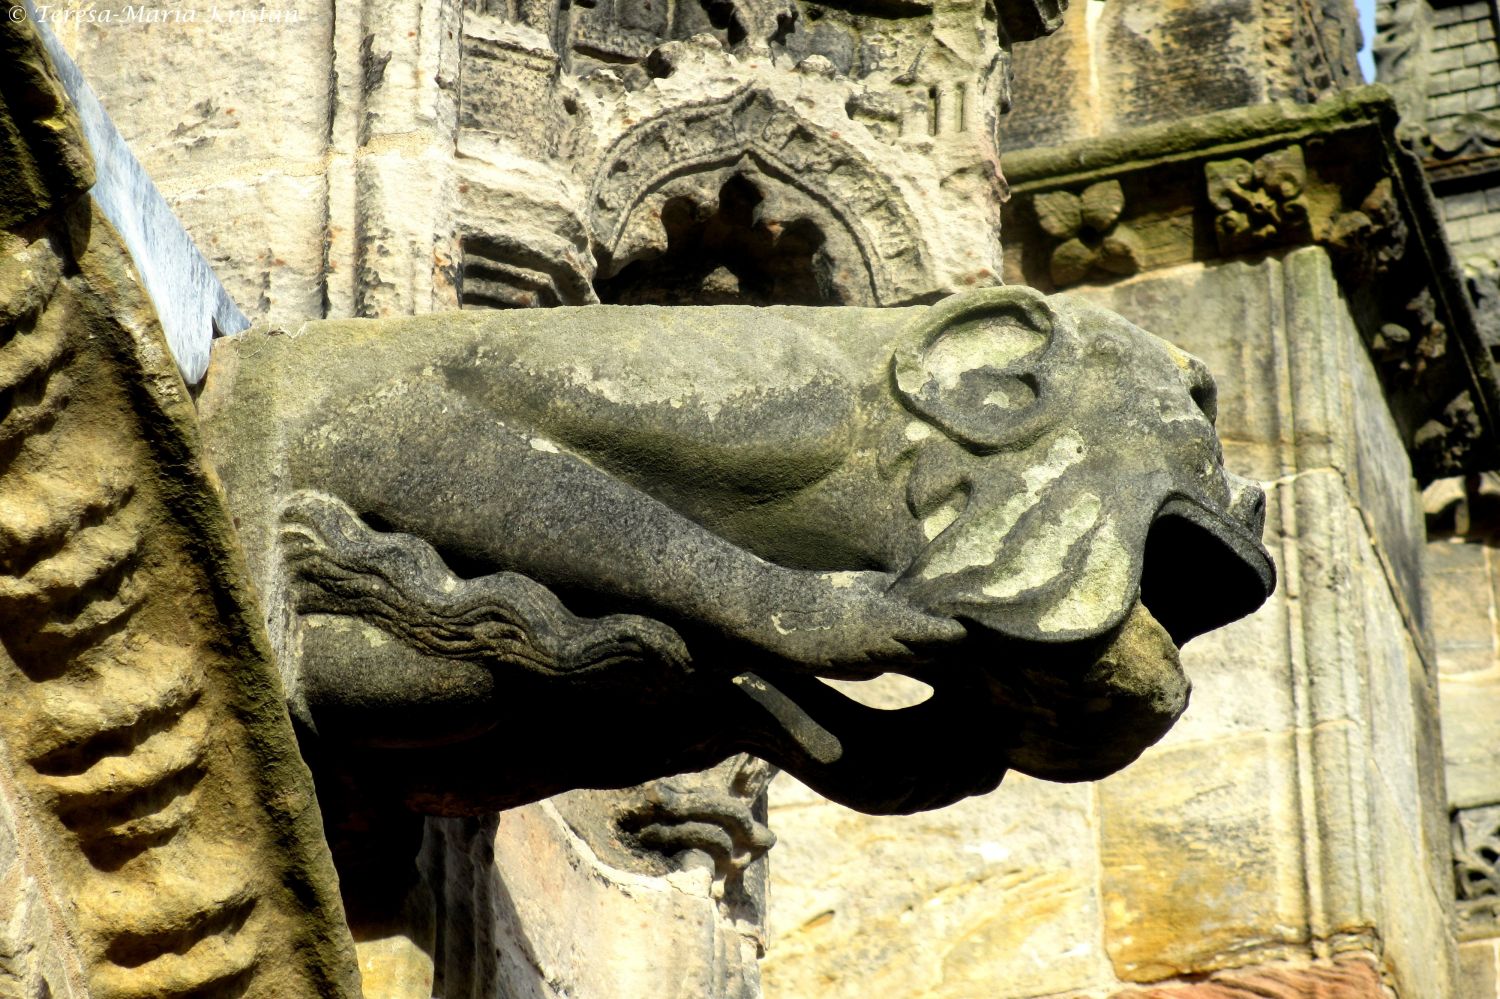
{"x":1247,"y":503}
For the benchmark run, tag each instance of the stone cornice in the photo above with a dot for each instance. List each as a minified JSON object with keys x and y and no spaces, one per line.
{"x":1210,"y":136}
{"x":1263,"y":180}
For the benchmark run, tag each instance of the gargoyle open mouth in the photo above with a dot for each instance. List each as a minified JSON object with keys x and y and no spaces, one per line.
{"x":1201,"y":569}
{"x":1077,"y":710}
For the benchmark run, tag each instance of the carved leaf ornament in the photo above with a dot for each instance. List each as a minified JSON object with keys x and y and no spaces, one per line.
{"x":1258,"y":204}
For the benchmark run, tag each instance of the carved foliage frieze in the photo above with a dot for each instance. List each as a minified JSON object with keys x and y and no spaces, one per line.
{"x":1264,"y":181}
{"x":1259,"y":204}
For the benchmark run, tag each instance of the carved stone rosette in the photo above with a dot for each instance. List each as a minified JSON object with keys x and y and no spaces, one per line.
{"x":148,"y":770}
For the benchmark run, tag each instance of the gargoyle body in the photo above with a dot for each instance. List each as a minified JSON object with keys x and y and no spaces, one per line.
{"x":510,"y":554}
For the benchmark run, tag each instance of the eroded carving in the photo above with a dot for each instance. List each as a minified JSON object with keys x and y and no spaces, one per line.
{"x":1370,"y":239}
{"x":1260,"y":203}
{"x":1468,"y":134}
{"x":714,"y":818}
{"x":1090,"y":234}
{"x":1476,"y":865}
{"x":1405,"y":349}
{"x":834,"y":189}
{"x":399,"y":584}
{"x":143,"y":729}
{"x":1444,"y":442}
{"x":748,"y":239}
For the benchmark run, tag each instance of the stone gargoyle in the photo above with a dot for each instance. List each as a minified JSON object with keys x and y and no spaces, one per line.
{"x":507,"y":554}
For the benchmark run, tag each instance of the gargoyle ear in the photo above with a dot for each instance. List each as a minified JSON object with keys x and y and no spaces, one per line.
{"x":972,"y":366}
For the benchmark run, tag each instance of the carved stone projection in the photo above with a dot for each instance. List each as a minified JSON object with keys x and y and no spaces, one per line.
{"x":1260,"y":203}
{"x":1090,"y":235}
{"x":509,"y":554}
{"x":158,"y":831}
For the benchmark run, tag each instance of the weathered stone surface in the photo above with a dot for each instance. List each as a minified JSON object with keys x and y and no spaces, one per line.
{"x":864,"y":136}
{"x":1120,"y":67}
{"x":1356,"y":675}
{"x":495,"y":240}
{"x":237,"y":145}
{"x":840,"y":152}
{"x":1473,"y":754}
{"x":996,"y":896}
{"x":1201,"y":836}
{"x":47,"y":159}
{"x":150,"y":776}
{"x":1479,"y":967}
{"x":1442,"y":61}
{"x":1345,"y":978}
{"x":579,"y":919}
{"x":190,"y":303}
{"x":416,"y":679}
{"x":328,"y":551}
{"x":37,"y":958}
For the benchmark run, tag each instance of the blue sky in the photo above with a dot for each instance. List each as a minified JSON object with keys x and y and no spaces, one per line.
{"x":1367,"y":25}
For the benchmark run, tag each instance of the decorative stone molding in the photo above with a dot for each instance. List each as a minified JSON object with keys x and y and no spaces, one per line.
{"x":1090,"y":233}
{"x":144,"y":738}
{"x":523,"y":270}
{"x":863,"y":133}
{"x":1267,"y":179}
{"x":1259,"y":204}
{"x":752,"y":128}
{"x":1476,"y":869}
{"x":1472,"y":133}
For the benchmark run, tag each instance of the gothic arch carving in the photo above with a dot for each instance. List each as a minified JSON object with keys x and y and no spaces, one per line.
{"x":753,"y":129}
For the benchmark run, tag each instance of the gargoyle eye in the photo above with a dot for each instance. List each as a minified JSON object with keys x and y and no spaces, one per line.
{"x":1204,"y":391}
{"x":986,"y":343}
{"x":972,"y":366}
